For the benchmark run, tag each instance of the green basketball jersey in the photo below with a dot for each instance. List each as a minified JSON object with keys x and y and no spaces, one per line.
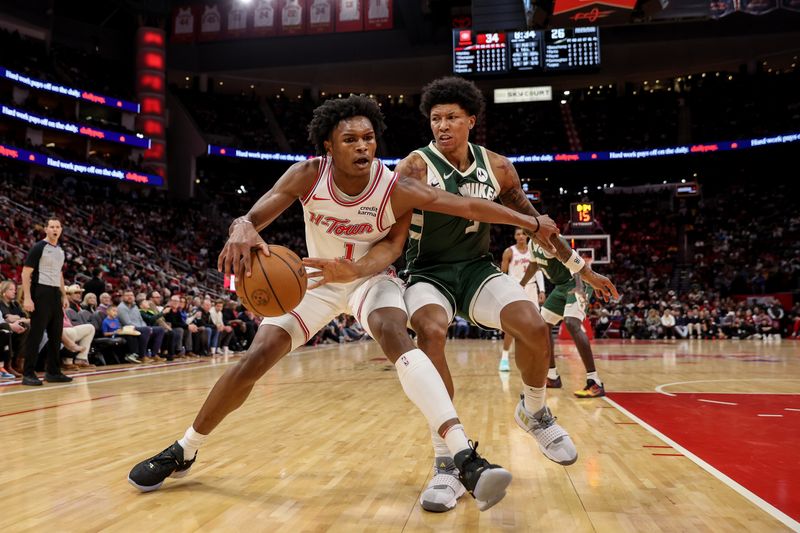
{"x":435,"y":238}
{"x":554,"y":269}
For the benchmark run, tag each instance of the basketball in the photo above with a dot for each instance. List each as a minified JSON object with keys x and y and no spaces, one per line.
{"x":277,"y":283}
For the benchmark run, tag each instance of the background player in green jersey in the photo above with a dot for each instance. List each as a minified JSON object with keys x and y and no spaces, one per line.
{"x":568,"y":301}
{"x":450,"y":271}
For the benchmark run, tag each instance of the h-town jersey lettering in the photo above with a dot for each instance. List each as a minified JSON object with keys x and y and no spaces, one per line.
{"x":338,"y":225}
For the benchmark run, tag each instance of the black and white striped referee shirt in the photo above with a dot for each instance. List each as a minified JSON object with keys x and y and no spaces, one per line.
{"x":46,"y":260}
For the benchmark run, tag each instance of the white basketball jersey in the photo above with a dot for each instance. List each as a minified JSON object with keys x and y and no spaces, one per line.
{"x":338,"y":225}
{"x":519,"y":263}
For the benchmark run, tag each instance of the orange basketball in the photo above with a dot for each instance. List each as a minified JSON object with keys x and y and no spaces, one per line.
{"x":277,"y":283}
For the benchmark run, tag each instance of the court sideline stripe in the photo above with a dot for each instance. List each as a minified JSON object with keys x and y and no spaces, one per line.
{"x":135,"y":376}
{"x":753,"y":498}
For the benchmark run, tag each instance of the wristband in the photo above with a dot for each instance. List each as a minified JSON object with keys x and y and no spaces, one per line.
{"x":538,"y":225}
{"x":575,"y":263}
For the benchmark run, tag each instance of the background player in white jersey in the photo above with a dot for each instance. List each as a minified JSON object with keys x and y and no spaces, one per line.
{"x":351,"y":203}
{"x":515,"y":262}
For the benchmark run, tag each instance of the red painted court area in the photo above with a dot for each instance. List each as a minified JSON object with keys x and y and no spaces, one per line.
{"x":753,"y":439}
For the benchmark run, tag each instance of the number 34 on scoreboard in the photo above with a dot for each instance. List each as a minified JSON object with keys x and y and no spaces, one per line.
{"x":582,"y":213}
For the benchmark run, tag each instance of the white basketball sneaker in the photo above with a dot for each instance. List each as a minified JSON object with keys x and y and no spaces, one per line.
{"x":444,"y":489}
{"x":554,"y":441}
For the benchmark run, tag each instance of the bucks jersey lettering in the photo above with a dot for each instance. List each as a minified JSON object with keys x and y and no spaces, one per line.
{"x":555,"y":271}
{"x":435,"y":238}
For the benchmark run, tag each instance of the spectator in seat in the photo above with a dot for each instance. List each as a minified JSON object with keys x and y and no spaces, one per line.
{"x":112,"y":327}
{"x":764,"y":325}
{"x":727,"y":326}
{"x":7,"y":332}
{"x":202,"y":321}
{"x":224,"y":332}
{"x":96,"y":285}
{"x":695,"y":327}
{"x":460,"y":328}
{"x":775,"y":312}
{"x":154,"y":318}
{"x":105,"y":302}
{"x":602,"y":325}
{"x":231,"y":319}
{"x":653,"y":324}
{"x":89,"y":302}
{"x":182,"y":334}
{"x":681,"y":324}
{"x":129,"y":315}
{"x":77,"y":338}
{"x":12,"y":313}
{"x":708,"y":325}
{"x":157,"y":301}
{"x":668,"y":324}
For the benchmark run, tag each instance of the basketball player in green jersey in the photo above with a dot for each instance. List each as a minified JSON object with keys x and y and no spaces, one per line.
{"x":450,"y":271}
{"x":568,"y":302}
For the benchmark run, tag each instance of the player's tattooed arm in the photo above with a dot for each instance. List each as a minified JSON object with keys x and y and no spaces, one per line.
{"x":512,"y":196}
{"x":412,"y":167}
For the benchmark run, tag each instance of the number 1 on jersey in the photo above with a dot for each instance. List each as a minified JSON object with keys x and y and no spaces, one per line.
{"x":349,"y":249}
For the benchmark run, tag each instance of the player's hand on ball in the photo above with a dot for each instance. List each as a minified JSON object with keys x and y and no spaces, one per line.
{"x":338,"y":270}
{"x":235,"y":255}
{"x":602,"y":285}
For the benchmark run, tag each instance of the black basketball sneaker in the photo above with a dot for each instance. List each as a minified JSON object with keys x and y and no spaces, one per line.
{"x":486,"y":482}
{"x":150,"y":474}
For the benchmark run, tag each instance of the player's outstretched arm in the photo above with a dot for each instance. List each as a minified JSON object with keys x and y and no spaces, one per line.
{"x":377,"y":259}
{"x":529,"y":273}
{"x":603,"y":287}
{"x":243,"y":233}
{"x":507,"y":255}
{"x":410,"y":193}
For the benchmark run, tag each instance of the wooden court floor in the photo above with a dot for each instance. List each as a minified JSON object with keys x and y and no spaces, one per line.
{"x":328,"y":442}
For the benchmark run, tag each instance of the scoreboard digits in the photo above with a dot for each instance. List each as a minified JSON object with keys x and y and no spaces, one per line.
{"x":525,"y":51}
{"x":581,"y":213}
{"x":479,"y":53}
{"x":570,"y":48}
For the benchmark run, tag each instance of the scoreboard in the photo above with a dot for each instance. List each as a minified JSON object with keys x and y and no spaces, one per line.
{"x":581,"y":213}
{"x":553,"y":50}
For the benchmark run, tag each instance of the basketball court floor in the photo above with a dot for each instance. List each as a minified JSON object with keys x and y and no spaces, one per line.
{"x":694,"y":436}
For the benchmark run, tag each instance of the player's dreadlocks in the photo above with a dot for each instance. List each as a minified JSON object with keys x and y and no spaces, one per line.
{"x":452,"y":90}
{"x":329,"y":114}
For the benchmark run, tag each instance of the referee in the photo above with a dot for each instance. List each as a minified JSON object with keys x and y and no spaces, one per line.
{"x":45,"y":299}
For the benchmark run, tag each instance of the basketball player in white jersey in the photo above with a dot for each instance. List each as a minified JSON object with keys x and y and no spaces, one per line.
{"x":451,"y":271}
{"x":515,"y":262}
{"x":352,"y":204}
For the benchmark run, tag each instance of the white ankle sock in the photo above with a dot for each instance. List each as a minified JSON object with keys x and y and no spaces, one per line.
{"x":425,"y":388}
{"x":595,"y":377}
{"x":440,"y":448}
{"x":456,"y":439}
{"x":552,"y":373}
{"x":504,"y":357}
{"x":534,"y":398}
{"x":191,"y":441}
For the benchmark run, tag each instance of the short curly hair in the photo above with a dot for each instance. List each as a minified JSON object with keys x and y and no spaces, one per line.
{"x":452,"y":90}
{"x":329,"y":114}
